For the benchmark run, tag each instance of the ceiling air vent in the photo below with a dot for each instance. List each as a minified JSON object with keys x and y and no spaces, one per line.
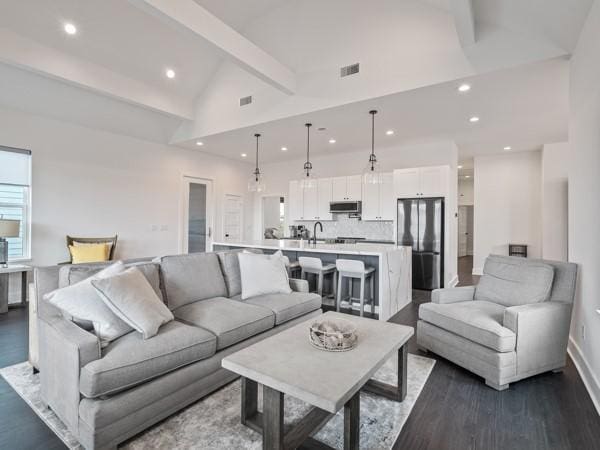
{"x":245,"y":100}
{"x":350,"y":70}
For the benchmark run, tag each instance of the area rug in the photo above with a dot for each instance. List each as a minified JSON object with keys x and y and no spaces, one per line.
{"x":214,"y":422}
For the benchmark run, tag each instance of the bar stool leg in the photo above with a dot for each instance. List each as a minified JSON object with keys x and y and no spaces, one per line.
{"x":334,"y":284}
{"x":350,"y":280}
{"x":339,"y":291}
{"x":372,"y":287}
{"x":362,"y":295}
{"x":320,"y":284}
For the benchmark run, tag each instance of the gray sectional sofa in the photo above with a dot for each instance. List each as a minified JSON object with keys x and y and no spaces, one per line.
{"x":107,"y":395}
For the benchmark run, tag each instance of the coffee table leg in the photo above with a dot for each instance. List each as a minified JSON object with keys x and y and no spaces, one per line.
{"x":352,"y":423}
{"x":402,"y":371}
{"x":249,"y":400}
{"x":273,"y":432}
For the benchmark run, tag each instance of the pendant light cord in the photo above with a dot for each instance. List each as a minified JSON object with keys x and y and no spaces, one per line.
{"x":308,"y":165}
{"x":373,"y":158}
{"x":257,"y":170}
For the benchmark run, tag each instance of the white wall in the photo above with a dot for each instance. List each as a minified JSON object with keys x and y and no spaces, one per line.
{"x":507,"y":204}
{"x":584,"y":205}
{"x":94,"y":183}
{"x":555,"y":189}
{"x":465,"y":191}
{"x":278,"y":176}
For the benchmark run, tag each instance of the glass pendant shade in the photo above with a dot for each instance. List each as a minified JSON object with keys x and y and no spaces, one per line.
{"x":256,"y":183}
{"x":372,"y":173}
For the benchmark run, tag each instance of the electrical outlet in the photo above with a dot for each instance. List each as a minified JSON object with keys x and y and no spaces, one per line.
{"x":583,"y":332}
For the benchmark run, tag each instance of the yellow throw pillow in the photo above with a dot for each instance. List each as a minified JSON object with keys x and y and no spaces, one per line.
{"x":89,"y":253}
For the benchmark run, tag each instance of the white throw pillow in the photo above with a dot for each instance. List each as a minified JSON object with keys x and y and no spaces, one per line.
{"x":131,"y":297}
{"x":82,"y":302}
{"x":263,"y":274}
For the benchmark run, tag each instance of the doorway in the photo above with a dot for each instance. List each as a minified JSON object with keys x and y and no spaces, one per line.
{"x":273,"y":217}
{"x":232,"y":218}
{"x":465,"y":243}
{"x":196,"y":221}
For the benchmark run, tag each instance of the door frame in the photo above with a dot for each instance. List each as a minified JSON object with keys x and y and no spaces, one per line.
{"x":184,"y":202}
{"x":241,"y":198}
{"x":259,"y":233}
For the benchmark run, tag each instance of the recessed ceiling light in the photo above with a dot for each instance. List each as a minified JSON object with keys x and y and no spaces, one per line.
{"x":284,"y":149}
{"x":460,"y":167}
{"x":244,"y":155}
{"x":332,"y":141}
{"x":70,"y":28}
{"x":507,"y":148}
{"x":467,"y":176}
{"x":170,"y":73}
{"x":199,"y":143}
{"x":474,"y":119}
{"x":389,"y":132}
{"x":464,"y":88}
{"x":321,"y":129}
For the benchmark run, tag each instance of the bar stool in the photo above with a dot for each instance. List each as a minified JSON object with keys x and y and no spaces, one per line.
{"x":316,"y":267}
{"x":292,"y":267}
{"x":352,"y":269}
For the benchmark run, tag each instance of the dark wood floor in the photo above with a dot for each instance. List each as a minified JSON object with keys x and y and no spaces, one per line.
{"x":454,"y":411}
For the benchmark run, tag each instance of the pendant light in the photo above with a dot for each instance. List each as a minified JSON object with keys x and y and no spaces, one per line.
{"x":256,"y":182}
{"x":308,"y":179}
{"x":372,"y":173}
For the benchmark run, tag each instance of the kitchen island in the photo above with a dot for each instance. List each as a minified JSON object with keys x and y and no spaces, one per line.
{"x":393,"y":266}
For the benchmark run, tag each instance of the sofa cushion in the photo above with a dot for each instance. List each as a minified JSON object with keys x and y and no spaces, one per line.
{"x":514,"y":281}
{"x":230,"y":320}
{"x":287,"y":306}
{"x":193,"y":277}
{"x":478,"y":321}
{"x":131,"y":360}
{"x":230,"y":267}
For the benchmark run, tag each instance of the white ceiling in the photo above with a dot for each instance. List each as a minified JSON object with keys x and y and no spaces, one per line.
{"x":523,"y":107}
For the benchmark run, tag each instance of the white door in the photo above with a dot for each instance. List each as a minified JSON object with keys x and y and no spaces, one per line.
{"x":387,"y":199}
{"x":324,"y":192}
{"x":463,"y":235}
{"x":433,"y":181}
{"x":406,"y":183}
{"x":233,"y":218}
{"x":311,"y":202}
{"x":196,"y":223}
{"x":296,"y":201}
{"x":370,"y":202}
{"x":338,"y":189}
{"x":354,"y":188}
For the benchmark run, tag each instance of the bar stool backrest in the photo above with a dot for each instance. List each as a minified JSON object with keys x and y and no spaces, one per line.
{"x":350,"y":265}
{"x":307,"y":262}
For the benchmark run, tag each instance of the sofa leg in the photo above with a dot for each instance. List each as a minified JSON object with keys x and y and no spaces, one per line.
{"x":559,"y":370}
{"x":35,"y":371}
{"x":498,"y":387}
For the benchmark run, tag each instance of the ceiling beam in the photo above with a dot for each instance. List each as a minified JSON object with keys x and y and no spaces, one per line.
{"x":464,"y":20}
{"x":22,"y":52}
{"x":194,"y":18}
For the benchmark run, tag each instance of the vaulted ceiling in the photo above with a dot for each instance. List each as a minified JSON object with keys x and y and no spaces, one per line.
{"x":286,"y":54}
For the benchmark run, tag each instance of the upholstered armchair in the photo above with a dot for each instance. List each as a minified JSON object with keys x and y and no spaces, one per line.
{"x":512,"y":325}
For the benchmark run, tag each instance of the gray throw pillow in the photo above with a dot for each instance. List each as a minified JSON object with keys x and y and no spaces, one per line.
{"x":81,"y":302}
{"x":130,"y":296}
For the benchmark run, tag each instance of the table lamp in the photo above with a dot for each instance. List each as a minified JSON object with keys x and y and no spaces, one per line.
{"x":8,"y":229}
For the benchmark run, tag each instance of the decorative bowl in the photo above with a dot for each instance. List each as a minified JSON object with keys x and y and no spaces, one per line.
{"x":333,"y":335}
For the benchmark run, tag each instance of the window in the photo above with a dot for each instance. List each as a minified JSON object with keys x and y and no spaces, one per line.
{"x":15,"y":194}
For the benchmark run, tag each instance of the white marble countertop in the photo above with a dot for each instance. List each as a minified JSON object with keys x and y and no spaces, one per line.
{"x":304,"y":246}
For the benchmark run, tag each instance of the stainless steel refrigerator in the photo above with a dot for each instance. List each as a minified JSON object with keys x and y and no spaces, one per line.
{"x":421,"y":226}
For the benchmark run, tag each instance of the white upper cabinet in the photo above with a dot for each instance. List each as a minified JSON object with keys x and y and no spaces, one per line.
{"x":325,"y":191}
{"x":378,"y":201}
{"x":421,"y":182}
{"x":346,"y":188}
{"x":310,"y":200}
{"x":296,"y":201}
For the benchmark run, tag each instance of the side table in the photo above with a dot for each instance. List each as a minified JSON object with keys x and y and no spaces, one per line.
{"x":4,"y":276}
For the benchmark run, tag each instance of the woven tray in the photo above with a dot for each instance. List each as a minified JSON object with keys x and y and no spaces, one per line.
{"x":337,"y":335}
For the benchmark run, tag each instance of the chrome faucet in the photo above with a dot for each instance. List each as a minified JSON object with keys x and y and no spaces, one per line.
{"x":314,"y":238}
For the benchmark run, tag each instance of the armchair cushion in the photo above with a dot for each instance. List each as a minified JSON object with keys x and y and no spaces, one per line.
{"x":452,"y":295}
{"x":478,"y":321}
{"x":514,"y":281}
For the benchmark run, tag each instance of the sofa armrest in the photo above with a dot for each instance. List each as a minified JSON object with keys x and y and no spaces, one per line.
{"x":453,"y":295}
{"x":542,"y":331}
{"x":298,"y":285}
{"x":64,"y":349}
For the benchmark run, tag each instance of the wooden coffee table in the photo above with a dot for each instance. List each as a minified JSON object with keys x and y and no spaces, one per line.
{"x":288,"y":364}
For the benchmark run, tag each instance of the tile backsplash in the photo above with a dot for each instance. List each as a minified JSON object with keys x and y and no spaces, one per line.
{"x":344,"y":226}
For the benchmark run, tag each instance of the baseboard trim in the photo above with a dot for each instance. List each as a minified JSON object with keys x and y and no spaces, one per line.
{"x":477,"y":271}
{"x":453,"y":281}
{"x":585,"y":372}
